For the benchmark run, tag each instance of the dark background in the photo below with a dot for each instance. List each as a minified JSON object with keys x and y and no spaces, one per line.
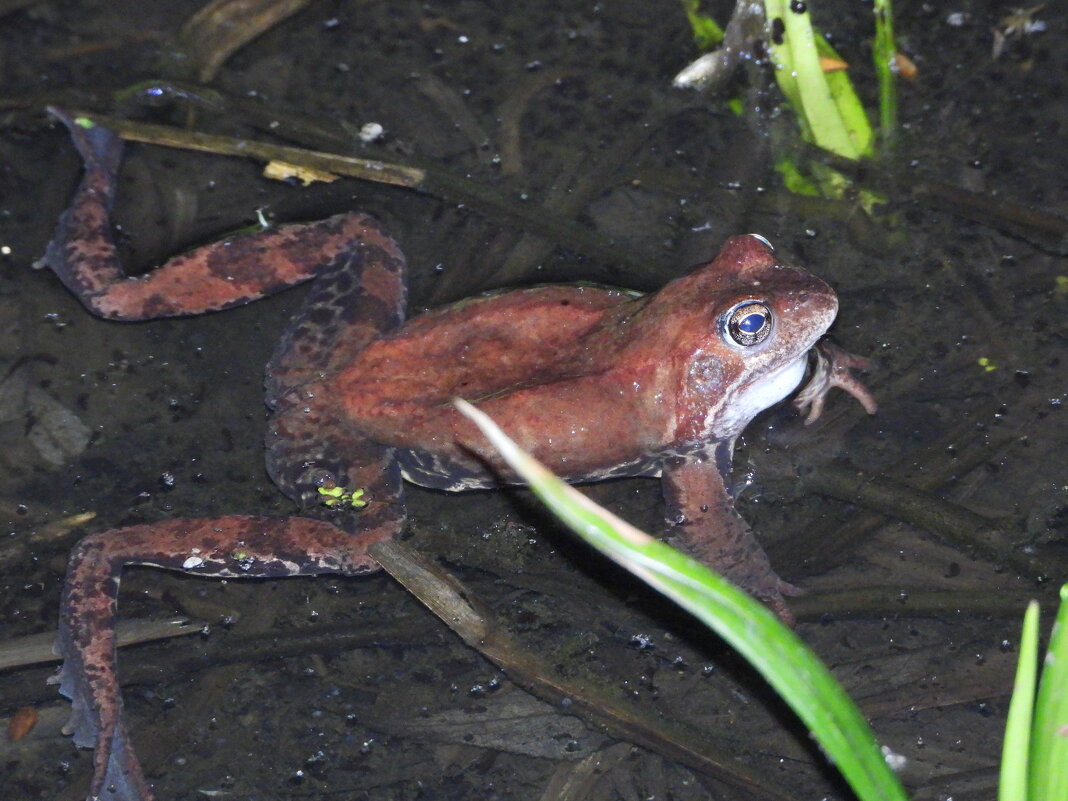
{"x":566,"y":107}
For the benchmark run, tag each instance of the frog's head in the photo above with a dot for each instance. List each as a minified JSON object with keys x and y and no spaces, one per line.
{"x":745,"y":325}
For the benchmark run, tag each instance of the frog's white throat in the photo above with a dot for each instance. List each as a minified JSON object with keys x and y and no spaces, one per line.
{"x":728,"y":420}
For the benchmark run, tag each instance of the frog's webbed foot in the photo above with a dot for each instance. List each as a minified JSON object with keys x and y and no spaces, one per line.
{"x":833,"y":368}
{"x":732,"y":549}
{"x":100,"y":148}
{"x":704,"y":524}
{"x":226,"y":547}
{"x":330,"y":469}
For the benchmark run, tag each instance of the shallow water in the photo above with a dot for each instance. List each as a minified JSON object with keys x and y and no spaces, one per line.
{"x":567,"y":107}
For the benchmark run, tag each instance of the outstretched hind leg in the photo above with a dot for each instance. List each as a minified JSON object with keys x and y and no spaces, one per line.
{"x":311,"y":446}
{"x":358,"y":296}
{"x":231,"y":272}
{"x":225,"y":547}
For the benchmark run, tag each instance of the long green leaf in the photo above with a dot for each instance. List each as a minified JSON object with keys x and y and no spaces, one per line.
{"x":1049,"y":733}
{"x":1014,"y":751}
{"x":794,"y":671}
{"x":828,"y":108}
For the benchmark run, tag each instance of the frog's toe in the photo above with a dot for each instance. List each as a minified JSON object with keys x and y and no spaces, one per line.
{"x":833,"y":368}
{"x":100,"y":148}
{"x":788,"y":589}
{"x":778,"y":605}
{"x":772,"y":591}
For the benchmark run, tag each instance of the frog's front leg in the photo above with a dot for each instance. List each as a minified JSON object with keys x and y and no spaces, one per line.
{"x":833,"y":368}
{"x":225,"y":547}
{"x":705,"y":524}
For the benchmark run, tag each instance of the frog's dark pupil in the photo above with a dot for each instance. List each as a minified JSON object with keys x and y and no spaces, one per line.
{"x":751,"y":323}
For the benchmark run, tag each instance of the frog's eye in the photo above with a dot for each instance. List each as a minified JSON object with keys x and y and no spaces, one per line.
{"x":749,"y":323}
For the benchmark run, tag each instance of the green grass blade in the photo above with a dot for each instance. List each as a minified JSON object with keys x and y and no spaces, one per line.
{"x":850,"y":109}
{"x":1049,"y":733}
{"x":830,"y":112}
{"x":884,"y":54}
{"x":1012,"y":785}
{"x":795,"y":672}
{"x":706,"y":31}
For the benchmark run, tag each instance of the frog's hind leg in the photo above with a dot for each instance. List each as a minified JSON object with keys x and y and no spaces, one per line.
{"x":225,"y":547}
{"x":355,"y":300}
{"x":357,"y":297}
{"x":333,"y":472}
{"x":223,"y":274}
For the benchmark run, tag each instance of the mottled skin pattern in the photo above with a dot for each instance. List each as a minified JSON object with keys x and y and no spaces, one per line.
{"x":595,"y":382}
{"x":234,"y":546}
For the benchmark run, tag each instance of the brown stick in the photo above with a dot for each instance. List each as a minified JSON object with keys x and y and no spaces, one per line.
{"x":972,"y":533}
{"x":467,"y":616}
{"x":532,"y":218}
{"x":899,"y":602}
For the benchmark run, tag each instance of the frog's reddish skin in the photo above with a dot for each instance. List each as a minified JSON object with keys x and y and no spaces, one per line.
{"x":595,"y":382}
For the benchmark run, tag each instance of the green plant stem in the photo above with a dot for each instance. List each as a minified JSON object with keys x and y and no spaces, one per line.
{"x":1014,"y":763}
{"x":884,"y":53}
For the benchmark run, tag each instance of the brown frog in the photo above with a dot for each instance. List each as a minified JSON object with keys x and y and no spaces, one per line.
{"x":595,"y":382}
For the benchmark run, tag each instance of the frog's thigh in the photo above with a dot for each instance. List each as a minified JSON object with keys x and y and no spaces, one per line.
{"x":308,"y":450}
{"x":359,"y":296}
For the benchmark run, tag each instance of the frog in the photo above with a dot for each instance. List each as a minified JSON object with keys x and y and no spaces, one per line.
{"x":595,"y":382}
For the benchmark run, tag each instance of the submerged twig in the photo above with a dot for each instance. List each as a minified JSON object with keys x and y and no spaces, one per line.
{"x":969,"y":531}
{"x":941,"y":465}
{"x":510,"y":115}
{"x":1045,"y":230}
{"x":450,"y":103}
{"x":539,"y":674}
{"x":37,"y":648}
{"x":222,"y":27}
{"x":141,"y":666}
{"x":577,"y":781}
{"x":350,"y":166}
{"x":531,"y":218}
{"x":319,"y":132}
{"x":907,"y":602}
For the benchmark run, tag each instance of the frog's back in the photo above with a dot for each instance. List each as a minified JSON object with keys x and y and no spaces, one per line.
{"x":485,"y":345}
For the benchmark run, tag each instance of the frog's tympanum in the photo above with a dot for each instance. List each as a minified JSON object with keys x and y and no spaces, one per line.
{"x":595,"y":382}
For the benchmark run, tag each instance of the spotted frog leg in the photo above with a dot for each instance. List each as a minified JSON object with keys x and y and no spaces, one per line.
{"x":359,"y":295}
{"x":833,"y":368}
{"x":705,"y":524}
{"x":226,"y":547}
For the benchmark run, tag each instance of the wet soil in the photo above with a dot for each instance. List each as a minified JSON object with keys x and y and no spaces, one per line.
{"x":568,"y":108}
